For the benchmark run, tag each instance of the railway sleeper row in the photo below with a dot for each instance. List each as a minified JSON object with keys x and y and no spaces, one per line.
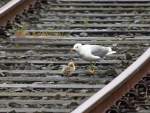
{"x":30,"y":75}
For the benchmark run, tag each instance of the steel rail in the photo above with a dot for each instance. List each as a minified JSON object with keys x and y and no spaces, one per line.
{"x":106,"y":97}
{"x":12,"y":8}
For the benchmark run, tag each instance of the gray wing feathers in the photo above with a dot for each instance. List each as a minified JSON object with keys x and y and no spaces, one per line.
{"x":98,"y":50}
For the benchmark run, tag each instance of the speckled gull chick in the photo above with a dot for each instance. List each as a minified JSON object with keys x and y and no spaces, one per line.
{"x":92,"y":52}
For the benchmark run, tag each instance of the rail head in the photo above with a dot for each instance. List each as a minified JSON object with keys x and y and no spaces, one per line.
{"x":9,"y":6}
{"x":12,"y":8}
{"x":107,"y":96}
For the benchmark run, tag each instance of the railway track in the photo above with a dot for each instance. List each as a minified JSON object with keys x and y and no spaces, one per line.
{"x":39,"y":43}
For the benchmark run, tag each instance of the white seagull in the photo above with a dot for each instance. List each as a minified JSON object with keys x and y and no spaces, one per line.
{"x":92,"y":52}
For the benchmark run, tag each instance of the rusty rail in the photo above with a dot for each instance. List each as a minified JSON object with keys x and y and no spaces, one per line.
{"x":12,"y":8}
{"x":112,"y":92}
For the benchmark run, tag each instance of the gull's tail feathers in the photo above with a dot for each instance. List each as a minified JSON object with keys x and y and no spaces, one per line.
{"x":110,"y":51}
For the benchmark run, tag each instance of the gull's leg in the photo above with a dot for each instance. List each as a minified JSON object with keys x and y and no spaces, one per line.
{"x":94,"y":64}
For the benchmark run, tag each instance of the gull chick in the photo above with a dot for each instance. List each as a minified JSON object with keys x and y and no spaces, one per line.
{"x":92,"y":52}
{"x":69,"y":69}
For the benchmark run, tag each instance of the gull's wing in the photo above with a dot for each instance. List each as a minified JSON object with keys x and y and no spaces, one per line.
{"x":98,"y":50}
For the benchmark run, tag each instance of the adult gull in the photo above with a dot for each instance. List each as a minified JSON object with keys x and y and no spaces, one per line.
{"x":92,"y":52}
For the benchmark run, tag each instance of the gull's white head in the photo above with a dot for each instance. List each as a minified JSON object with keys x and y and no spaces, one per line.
{"x":77,"y":47}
